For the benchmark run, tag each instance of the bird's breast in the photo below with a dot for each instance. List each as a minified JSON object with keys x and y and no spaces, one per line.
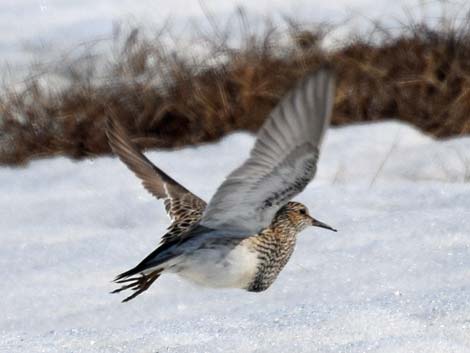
{"x":273,"y":252}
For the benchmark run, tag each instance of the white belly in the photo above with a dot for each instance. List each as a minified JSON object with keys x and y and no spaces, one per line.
{"x":212,"y":268}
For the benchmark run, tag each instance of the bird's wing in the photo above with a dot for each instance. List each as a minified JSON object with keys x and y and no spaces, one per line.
{"x":282,"y":162}
{"x":183,"y":207}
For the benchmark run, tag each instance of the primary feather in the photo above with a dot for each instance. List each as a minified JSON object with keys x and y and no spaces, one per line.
{"x":282,"y":162}
{"x":183,"y":207}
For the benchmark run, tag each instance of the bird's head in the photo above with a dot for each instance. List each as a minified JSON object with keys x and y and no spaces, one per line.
{"x":299,"y":216}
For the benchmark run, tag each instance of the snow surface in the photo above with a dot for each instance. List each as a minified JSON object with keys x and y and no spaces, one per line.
{"x":394,"y":279}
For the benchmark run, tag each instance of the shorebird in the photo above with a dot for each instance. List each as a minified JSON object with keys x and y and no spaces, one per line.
{"x":246,"y":234}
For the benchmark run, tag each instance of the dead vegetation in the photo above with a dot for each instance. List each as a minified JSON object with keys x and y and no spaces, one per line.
{"x":168,"y":100}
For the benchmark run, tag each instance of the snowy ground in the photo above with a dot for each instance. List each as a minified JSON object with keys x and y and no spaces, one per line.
{"x":394,"y":279}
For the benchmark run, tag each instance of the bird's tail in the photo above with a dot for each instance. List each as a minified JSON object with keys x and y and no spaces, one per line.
{"x":135,"y":281}
{"x":141,"y":277}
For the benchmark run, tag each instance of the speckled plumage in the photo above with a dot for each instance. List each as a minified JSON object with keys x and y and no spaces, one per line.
{"x":275,"y":245}
{"x":246,"y":234}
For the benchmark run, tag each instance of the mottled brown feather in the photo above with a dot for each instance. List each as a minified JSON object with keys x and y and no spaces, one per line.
{"x":183,"y":207}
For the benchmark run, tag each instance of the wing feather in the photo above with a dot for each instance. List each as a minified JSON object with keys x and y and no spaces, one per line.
{"x":282,"y":162}
{"x":183,"y":207}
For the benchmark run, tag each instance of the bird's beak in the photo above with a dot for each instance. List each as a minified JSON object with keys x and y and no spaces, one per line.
{"x":317,"y":223}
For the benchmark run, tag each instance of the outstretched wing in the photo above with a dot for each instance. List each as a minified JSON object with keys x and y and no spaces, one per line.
{"x":282,"y":162}
{"x":183,"y":207}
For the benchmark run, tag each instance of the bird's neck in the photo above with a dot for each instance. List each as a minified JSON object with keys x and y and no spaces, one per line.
{"x":282,"y":222}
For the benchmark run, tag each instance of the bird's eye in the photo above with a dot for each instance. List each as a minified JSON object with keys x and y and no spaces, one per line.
{"x":303,"y":211}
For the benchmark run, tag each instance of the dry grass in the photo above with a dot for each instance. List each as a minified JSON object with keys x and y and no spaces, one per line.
{"x":421,"y":76}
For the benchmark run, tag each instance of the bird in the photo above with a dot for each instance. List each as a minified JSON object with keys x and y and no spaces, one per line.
{"x":247,"y":232}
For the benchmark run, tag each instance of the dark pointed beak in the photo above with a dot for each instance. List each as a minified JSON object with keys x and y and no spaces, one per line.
{"x":317,"y":223}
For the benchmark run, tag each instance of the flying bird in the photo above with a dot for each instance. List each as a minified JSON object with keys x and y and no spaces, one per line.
{"x":247,"y":232}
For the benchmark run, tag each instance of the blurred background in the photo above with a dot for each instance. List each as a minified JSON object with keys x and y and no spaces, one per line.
{"x":186,"y":72}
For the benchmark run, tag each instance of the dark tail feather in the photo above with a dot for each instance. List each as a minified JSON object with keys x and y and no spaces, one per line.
{"x":140,"y":284}
{"x":133,"y":271}
{"x":137,"y":284}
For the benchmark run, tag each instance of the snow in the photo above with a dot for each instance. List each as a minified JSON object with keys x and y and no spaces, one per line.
{"x":394,"y":279}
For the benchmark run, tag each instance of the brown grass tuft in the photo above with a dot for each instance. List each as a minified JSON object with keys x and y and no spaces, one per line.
{"x":421,"y":76}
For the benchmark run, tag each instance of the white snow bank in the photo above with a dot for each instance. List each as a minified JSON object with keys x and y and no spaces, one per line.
{"x":393,"y":151}
{"x":394,"y":279}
